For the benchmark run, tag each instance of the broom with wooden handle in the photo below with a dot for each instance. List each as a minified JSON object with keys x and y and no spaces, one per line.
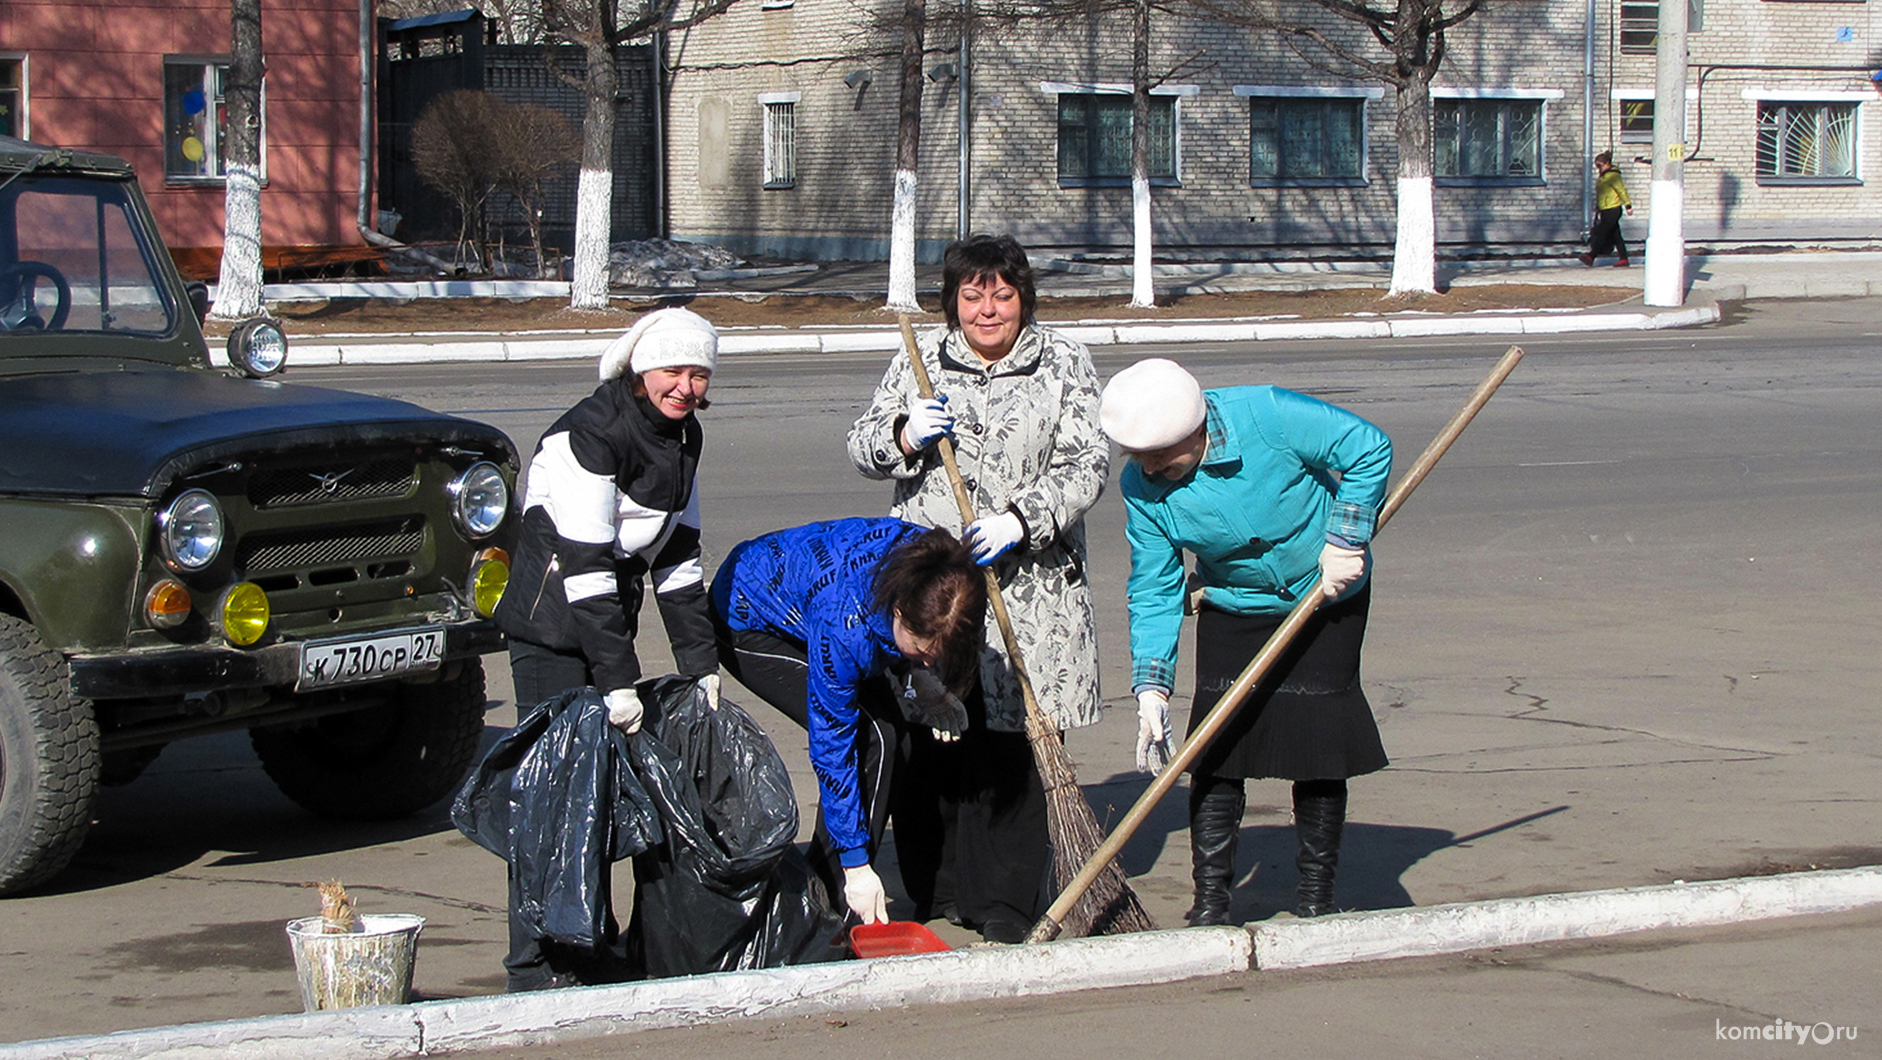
{"x":1051,"y":925}
{"x":1105,"y":903}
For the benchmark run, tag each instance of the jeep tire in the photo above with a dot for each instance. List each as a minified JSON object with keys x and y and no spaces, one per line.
{"x":383,"y":762}
{"x":48,"y":760}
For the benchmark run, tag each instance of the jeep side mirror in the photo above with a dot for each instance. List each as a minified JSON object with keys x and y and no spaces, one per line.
{"x":198,"y":292}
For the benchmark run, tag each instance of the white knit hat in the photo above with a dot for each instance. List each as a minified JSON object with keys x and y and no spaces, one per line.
{"x":664,"y":338}
{"x":1153,"y":404}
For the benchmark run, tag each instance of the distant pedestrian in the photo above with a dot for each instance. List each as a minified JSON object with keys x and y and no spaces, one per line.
{"x":1610,"y":198}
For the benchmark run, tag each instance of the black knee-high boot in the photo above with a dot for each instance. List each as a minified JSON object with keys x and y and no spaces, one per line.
{"x":1319,"y":818}
{"x":1215,"y":821}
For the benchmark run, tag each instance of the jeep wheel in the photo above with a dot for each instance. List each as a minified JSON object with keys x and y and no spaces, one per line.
{"x":382,"y":762}
{"x":48,"y":761}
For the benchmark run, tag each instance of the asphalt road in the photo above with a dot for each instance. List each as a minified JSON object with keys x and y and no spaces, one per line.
{"x":1625,"y":634}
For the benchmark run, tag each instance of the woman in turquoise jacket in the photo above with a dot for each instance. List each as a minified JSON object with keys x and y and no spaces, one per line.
{"x":1268,"y":489}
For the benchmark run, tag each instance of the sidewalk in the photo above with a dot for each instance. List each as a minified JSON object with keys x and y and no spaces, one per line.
{"x":1712,"y":278}
{"x":978,"y":974}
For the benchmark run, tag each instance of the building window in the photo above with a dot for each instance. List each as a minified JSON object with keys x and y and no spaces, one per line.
{"x":1636,"y":121}
{"x":780,"y":142}
{"x":1497,"y":140}
{"x":13,"y":97}
{"x":194,"y":122}
{"x":1095,"y":139}
{"x":1306,"y":140}
{"x":1640,"y":28}
{"x":1806,"y":142}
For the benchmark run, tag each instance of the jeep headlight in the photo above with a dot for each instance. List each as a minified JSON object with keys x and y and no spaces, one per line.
{"x":479,"y":500}
{"x":190,"y":530}
{"x":258,"y":347}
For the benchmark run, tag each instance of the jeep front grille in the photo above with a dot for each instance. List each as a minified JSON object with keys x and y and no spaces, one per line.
{"x":261,"y":554}
{"x":386,"y":476}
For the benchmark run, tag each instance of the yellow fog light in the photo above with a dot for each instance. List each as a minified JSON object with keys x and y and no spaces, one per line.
{"x":490,"y":574}
{"x":242,"y":614}
{"x":167,"y":604}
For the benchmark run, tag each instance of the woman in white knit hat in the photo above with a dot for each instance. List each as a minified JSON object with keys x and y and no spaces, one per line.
{"x":1268,"y":489}
{"x":610,"y":499}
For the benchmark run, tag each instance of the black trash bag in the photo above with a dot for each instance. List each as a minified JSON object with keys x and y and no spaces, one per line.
{"x":728,"y":889}
{"x":557,"y":798}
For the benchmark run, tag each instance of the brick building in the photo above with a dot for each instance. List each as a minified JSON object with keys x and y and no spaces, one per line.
{"x":783,"y":114}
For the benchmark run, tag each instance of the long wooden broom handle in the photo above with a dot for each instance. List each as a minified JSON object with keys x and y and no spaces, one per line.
{"x":1258,"y":667}
{"x":1035,"y":718}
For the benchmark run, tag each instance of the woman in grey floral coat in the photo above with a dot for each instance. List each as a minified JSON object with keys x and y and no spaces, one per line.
{"x":1021,"y":404}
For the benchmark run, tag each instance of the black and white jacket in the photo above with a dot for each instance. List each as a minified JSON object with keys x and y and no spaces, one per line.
{"x":610,"y":498}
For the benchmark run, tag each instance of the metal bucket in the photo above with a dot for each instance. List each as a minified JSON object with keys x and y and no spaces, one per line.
{"x":372,"y":966}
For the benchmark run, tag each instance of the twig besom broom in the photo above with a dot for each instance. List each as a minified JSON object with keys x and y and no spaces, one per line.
{"x":1052,"y":924}
{"x":1105,"y":904}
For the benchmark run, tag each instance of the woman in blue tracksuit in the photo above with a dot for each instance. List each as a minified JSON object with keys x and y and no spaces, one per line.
{"x":810,"y":618}
{"x":1267,"y":488}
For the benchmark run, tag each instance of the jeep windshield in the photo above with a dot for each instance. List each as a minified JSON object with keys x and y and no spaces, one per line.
{"x":73,"y":258}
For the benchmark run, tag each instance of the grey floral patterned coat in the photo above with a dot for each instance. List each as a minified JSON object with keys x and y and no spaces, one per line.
{"x":1026,"y":436}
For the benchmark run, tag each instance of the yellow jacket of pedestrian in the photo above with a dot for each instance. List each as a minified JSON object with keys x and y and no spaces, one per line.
{"x":1610,"y":191}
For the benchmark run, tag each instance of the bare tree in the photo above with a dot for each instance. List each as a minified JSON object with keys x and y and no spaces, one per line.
{"x":1411,"y":37}
{"x":238,"y":287}
{"x":455,"y":149}
{"x":598,"y":27}
{"x":532,"y":142}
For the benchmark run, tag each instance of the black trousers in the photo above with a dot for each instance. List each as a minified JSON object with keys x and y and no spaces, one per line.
{"x":970,"y":825}
{"x":1606,"y":234}
{"x":777,"y":671}
{"x":540,"y":673}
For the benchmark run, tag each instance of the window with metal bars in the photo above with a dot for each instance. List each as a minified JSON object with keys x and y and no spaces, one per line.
{"x":1488,"y":140}
{"x":1095,"y":139}
{"x":1306,"y":141}
{"x":1804,"y":142}
{"x":780,"y":145}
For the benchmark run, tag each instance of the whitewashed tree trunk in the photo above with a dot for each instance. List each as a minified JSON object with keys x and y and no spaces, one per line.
{"x":594,"y":187}
{"x":902,"y":245}
{"x":238,"y":286}
{"x":907,"y":159}
{"x":1415,"y":252}
{"x":1143,"y":289}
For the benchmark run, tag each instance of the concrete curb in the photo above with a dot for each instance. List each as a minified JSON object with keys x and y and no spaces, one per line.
{"x":419,"y":349}
{"x":522,"y":1020}
{"x":1464,"y":926}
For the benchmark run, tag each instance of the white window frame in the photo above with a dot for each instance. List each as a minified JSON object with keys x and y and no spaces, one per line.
{"x":213,"y":169}
{"x":25,"y":93}
{"x":780,"y":143}
{"x":1055,"y":89}
{"x":1542,"y":98}
{"x":1857,"y":99}
{"x":1369,"y":94}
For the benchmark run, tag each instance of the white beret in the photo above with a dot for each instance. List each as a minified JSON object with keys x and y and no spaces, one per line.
{"x":664,"y":338}
{"x":1153,"y":404}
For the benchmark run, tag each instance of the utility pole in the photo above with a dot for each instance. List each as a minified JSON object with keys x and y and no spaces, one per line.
{"x":1666,"y":227}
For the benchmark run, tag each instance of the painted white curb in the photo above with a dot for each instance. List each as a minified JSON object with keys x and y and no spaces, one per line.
{"x":361,"y":349}
{"x":1421,"y":932}
{"x":511,"y":1020}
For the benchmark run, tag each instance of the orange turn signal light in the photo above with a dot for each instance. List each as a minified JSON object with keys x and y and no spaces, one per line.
{"x":167,"y":604}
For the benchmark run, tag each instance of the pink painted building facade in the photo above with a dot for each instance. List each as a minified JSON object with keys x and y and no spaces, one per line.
{"x":142,"y":79}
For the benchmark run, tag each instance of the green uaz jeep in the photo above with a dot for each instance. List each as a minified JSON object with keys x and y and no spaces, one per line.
{"x":187,"y":549}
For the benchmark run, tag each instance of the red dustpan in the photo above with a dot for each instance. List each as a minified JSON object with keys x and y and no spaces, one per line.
{"x":894,"y":939}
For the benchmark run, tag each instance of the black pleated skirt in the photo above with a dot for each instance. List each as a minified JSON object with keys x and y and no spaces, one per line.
{"x":1308,"y":719}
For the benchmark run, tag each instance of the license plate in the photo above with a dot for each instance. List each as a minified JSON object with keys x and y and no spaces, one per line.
{"x":345,"y":661}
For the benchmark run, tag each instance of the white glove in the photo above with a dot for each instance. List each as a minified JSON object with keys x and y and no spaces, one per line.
{"x":624,"y":710}
{"x":709,"y":684}
{"x":945,"y":736}
{"x":862,"y":889}
{"x":994,"y":536}
{"x":928,"y":420}
{"x":1340,"y":567}
{"x":1153,"y":730}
